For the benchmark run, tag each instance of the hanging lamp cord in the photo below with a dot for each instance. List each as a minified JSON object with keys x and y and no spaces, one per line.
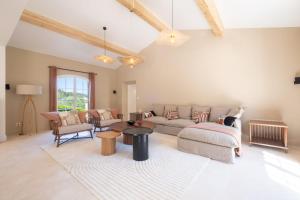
{"x":172,"y":16}
{"x":104,"y":29}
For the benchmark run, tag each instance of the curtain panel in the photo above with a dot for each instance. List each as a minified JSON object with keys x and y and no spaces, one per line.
{"x":52,"y":89}
{"x":92,"y":97}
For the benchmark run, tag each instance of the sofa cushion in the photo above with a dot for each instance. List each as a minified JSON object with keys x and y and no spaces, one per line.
{"x":157,"y":120}
{"x":185,"y":111}
{"x":180,"y":123}
{"x":207,"y":136}
{"x":169,"y":108}
{"x":69,"y":118}
{"x":158,"y":109}
{"x":217,"y":112}
{"x":109,"y":122}
{"x":198,"y":117}
{"x":75,"y":128}
{"x":171,"y":115}
{"x":198,"y":108}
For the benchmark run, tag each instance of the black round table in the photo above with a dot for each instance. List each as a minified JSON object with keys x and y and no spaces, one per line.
{"x":140,"y":142}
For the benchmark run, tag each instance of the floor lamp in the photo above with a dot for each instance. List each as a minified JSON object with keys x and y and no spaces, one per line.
{"x":29,"y":91}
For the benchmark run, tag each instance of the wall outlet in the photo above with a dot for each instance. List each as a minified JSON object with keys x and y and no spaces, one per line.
{"x":19,"y":124}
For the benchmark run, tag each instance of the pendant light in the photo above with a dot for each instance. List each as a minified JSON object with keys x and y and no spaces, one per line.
{"x":132,"y":60}
{"x":104,"y":58}
{"x":171,"y":37}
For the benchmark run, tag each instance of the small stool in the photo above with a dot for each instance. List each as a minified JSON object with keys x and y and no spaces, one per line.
{"x":108,"y":142}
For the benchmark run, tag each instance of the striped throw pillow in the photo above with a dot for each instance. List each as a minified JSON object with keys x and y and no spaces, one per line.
{"x":198,"y":117}
{"x":172,"y":115}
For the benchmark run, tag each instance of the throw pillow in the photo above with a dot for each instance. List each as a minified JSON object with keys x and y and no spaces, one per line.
{"x":172,"y":115}
{"x":106,"y":115}
{"x":169,"y":108}
{"x":228,"y":121}
{"x":237,"y":112}
{"x":69,"y":118}
{"x":153,"y":113}
{"x":148,"y":114}
{"x":198,"y":117}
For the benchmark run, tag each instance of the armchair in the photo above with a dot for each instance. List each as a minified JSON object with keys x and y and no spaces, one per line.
{"x":59,"y":131}
{"x":100,"y":123}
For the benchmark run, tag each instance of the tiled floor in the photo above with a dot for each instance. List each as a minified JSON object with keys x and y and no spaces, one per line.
{"x":27,"y":172}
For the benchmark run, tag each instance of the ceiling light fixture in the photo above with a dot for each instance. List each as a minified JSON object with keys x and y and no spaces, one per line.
{"x":104,"y":58}
{"x":132,"y":60}
{"x":171,"y":37}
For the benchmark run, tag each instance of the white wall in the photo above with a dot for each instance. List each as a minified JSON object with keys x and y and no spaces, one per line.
{"x":131,"y":99}
{"x":2,"y":94}
{"x":251,"y":67}
{"x":26,"y":67}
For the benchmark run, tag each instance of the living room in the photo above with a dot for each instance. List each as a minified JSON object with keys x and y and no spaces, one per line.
{"x":170,"y":99}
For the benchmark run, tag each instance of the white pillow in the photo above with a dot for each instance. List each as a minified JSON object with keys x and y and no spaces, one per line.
{"x":237,"y":112}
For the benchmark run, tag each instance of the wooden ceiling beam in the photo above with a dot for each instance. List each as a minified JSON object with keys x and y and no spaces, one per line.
{"x":145,"y":14}
{"x":211,"y":14}
{"x":58,"y":27}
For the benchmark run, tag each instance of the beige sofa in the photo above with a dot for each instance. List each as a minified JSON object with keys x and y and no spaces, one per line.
{"x":215,"y":145}
{"x":173,"y":127}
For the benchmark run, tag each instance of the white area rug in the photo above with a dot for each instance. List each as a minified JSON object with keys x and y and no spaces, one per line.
{"x":165,"y":175}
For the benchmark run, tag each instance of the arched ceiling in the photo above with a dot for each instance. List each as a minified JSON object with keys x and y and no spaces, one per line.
{"x":131,"y":32}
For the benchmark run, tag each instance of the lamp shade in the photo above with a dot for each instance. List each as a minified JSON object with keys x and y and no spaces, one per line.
{"x":29,"y":90}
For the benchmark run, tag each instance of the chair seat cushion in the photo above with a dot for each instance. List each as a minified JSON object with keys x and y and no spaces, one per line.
{"x":207,"y":136}
{"x":109,"y":122}
{"x":75,"y":128}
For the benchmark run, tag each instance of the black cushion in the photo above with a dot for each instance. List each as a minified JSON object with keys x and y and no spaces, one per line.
{"x":153,"y":113}
{"x":228,"y":121}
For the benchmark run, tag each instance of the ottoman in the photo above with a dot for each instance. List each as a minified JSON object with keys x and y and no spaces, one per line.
{"x":207,"y":143}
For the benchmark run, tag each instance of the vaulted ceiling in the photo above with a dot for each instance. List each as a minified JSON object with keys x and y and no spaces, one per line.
{"x":130,"y":31}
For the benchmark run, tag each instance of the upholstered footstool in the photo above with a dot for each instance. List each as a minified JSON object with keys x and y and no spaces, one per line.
{"x":211,"y":144}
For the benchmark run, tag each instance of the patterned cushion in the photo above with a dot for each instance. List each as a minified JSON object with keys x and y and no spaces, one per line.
{"x":69,"y":118}
{"x":185,"y":111}
{"x":158,"y":109}
{"x":106,"y":115}
{"x":198,"y":117}
{"x":172,"y":115}
{"x":168,"y":108}
{"x":148,"y":114}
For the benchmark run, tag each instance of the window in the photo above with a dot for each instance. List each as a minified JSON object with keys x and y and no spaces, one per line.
{"x":72,"y":93}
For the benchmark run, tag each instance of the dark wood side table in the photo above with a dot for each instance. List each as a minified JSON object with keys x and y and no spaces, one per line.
{"x":136,"y":116}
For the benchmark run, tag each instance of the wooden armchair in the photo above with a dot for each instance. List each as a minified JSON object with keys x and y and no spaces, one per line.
{"x":100,"y":124}
{"x":59,"y":131}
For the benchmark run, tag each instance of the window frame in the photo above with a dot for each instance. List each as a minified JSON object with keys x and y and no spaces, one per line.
{"x":74,"y":89}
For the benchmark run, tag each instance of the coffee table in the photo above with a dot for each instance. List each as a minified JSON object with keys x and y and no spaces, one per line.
{"x":140,"y":142}
{"x":137,"y":135}
{"x":121,"y":126}
{"x":108,"y":142}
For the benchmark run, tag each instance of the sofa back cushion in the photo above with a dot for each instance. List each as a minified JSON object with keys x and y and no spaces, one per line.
{"x":217,"y":112}
{"x":158,"y":109}
{"x":198,"y":108}
{"x":170,"y":108}
{"x":185,"y":111}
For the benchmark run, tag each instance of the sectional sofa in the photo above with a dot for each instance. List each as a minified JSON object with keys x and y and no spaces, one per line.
{"x":207,"y":143}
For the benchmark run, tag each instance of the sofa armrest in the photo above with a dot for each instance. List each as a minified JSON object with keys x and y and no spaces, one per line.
{"x":238,"y":124}
{"x":54,"y":125}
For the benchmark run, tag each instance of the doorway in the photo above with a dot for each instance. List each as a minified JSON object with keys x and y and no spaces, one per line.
{"x":131,"y":99}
